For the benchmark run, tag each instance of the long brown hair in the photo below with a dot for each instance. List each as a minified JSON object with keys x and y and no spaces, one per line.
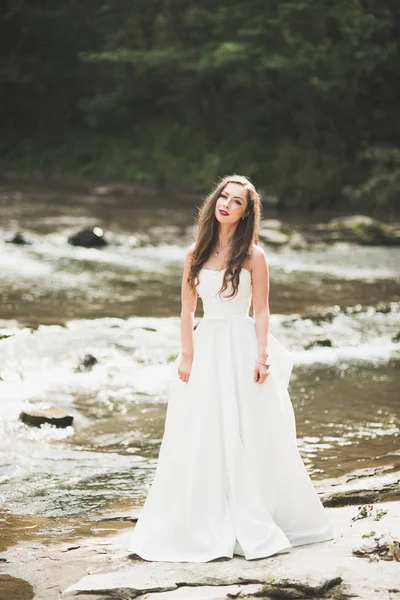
{"x":207,"y":227}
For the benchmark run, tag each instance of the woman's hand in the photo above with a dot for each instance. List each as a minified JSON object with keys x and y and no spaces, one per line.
{"x":261,"y":373}
{"x":184,"y":368}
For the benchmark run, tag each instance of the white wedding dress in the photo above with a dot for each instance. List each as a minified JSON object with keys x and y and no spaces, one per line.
{"x":230,"y":479}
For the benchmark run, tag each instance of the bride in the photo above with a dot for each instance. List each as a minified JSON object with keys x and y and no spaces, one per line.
{"x":229,"y":478}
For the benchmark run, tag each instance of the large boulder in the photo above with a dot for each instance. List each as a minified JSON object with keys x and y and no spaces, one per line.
{"x":362,"y":230}
{"x":273,"y":237}
{"x":271,"y":232}
{"x":275,"y":233}
{"x":89,"y":238}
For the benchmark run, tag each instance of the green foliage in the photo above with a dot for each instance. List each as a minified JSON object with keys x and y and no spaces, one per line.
{"x":302,"y":96}
{"x":381,"y":184}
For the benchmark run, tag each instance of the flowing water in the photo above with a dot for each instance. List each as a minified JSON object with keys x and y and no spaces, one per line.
{"x":121,"y":303}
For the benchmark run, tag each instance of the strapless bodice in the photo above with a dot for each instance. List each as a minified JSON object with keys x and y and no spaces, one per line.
{"x":219,"y":306}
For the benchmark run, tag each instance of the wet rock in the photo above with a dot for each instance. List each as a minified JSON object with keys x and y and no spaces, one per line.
{"x":273,"y":237}
{"x":385,"y":309}
{"x":276,"y":233}
{"x":345,"y":498}
{"x":19,"y":239}
{"x":86,"y":364}
{"x":3,"y":336}
{"x":298,"y":241}
{"x":396,"y":337}
{"x":127,"y":518}
{"x":326,"y":317}
{"x":53,"y":415}
{"x":332,"y":589}
{"x":361,"y":229}
{"x":367,"y":487}
{"x":271,"y":224}
{"x":319,"y":343}
{"x":69,"y":548}
{"x":89,"y":238}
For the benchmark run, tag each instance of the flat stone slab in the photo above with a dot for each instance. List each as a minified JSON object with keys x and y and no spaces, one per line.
{"x":324,"y":570}
{"x":369,"y":486}
{"x":206,"y":592}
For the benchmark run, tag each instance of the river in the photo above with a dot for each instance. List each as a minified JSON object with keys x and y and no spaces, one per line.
{"x":121,"y":304}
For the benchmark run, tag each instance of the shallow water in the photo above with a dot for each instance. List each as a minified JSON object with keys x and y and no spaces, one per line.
{"x":122,"y":303}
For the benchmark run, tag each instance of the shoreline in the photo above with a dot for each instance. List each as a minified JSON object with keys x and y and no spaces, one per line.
{"x":122,"y":189}
{"x":94,"y":568}
{"x":48,"y":567}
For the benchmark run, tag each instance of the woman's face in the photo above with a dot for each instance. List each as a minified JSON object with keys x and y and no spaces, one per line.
{"x":232,"y":203}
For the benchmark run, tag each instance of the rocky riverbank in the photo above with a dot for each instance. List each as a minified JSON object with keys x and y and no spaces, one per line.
{"x":361,"y":561}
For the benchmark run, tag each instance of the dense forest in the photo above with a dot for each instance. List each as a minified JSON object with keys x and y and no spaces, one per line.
{"x":302,"y":96}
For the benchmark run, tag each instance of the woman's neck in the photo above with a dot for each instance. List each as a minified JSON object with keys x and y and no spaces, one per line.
{"x":225,"y":236}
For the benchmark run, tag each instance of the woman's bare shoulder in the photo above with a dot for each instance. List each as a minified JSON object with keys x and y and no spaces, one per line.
{"x":256,"y":251}
{"x":189,"y":251}
{"x":256,"y":256}
{"x":189,"y":255}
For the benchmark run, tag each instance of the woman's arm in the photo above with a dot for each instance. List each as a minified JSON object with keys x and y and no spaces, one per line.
{"x":189,"y":303}
{"x":260,"y":286}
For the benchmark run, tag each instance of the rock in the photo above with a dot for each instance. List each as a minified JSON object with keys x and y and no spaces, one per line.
{"x":208,"y":592}
{"x":271,"y":224}
{"x":327,"y":570}
{"x":362,"y":230}
{"x":86,"y":364}
{"x":89,"y":238}
{"x":127,"y":518}
{"x":53,"y":415}
{"x":326,"y":317}
{"x":19,"y":239}
{"x":69,"y":548}
{"x":289,"y":589}
{"x":319,"y":343}
{"x":396,"y":337}
{"x":344,"y":498}
{"x":349,"y":222}
{"x":298,"y":241}
{"x":367,"y":487}
{"x":273,"y":237}
{"x":276,"y":233}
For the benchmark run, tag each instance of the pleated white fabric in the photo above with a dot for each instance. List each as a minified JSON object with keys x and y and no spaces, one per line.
{"x":229,"y":479}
